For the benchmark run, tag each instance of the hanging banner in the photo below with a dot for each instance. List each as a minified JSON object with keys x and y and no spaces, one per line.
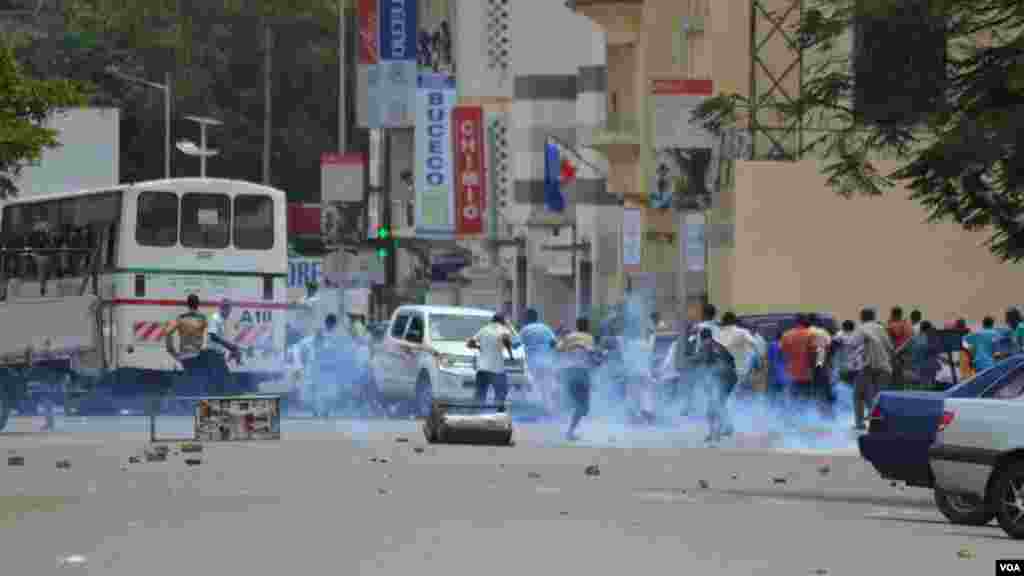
{"x":397,"y":71}
{"x":368,"y":70}
{"x":470,"y":177}
{"x":632,"y":240}
{"x":435,"y":195}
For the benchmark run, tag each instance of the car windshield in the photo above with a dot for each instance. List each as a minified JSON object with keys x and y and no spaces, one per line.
{"x":455,"y":327}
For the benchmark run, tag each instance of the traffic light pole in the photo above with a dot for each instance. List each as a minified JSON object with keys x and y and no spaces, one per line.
{"x":390,"y":261}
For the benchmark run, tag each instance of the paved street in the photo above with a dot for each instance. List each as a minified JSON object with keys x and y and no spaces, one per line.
{"x":317,"y":503}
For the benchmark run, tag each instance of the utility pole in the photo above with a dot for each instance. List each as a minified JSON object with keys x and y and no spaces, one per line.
{"x":268,"y":45}
{"x":167,"y":124}
{"x":342,"y":78}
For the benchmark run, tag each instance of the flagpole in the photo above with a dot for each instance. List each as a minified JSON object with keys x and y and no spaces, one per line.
{"x":549,"y":138}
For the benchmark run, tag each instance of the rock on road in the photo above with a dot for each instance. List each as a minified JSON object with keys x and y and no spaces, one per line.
{"x":354,"y":498}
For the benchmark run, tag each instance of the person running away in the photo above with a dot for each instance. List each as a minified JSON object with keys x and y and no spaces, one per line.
{"x":492,"y":341}
{"x":717,"y":367}
{"x":877,"y":372}
{"x":741,"y":343}
{"x":982,"y":344}
{"x":577,"y":350}
{"x":220,"y":349}
{"x":192,"y":329}
{"x":800,"y":353}
{"x":540,"y":341}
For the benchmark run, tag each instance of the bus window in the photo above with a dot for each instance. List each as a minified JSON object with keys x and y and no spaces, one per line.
{"x":88,"y":220}
{"x":254,"y":222}
{"x":205,"y":220}
{"x":157,"y":221}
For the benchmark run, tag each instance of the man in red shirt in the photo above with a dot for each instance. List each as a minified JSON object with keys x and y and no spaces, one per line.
{"x":900,"y":330}
{"x":799,"y":352}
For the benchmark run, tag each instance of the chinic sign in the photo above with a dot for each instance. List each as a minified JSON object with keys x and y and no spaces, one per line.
{"x":396,"y":92}
{"x":435,"y":198}
{"x":368,"y":72}
{"x":470,"y":179}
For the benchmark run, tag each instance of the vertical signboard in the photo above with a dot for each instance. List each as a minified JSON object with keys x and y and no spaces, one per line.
{"x":435,"y":198}
{"x":470,"y":176}
{"x":398,"y":67}
{"x":341,"y":177}
{"x":368,"y":72}
{"x":632,"y":240}
{"x":683,"y":177}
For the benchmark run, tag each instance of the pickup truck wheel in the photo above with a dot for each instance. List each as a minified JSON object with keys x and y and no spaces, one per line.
{"x":962,"y":509}
{"x":1008,"y":499}
{"x":424,"y":396}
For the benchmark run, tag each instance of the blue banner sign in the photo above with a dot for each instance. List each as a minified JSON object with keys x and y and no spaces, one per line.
{"x":302,"y":271}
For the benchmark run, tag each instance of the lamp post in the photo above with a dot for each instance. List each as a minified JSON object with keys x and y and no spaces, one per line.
{"x":166,"y":89}
{"x":201,"y":151}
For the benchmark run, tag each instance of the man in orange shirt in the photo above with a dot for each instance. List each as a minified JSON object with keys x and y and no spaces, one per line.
{"x":799,"y":352}
{"x":900,"y":330}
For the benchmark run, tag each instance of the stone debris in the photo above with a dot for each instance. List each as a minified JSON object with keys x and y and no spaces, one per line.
{"x":63,"y":464}
{"x":75,"y":560}
{"x":383,"y":491}
{"x":965,"y":553}
{"x":191,"y":448}
{"x":533,"y":475}
{"x":563,"y":513}
{"x":735,"y":476}
{"x":418,"y":450}
{"x":193,"y":461}
{"x":15,"y":460}
{"x":779,"y":479}
{"x":820,"y":571}
{"x":703,"y":484}
{"x":155,"y":456}
{"x":134,"y":460}
{"x":402,"y":440}
{"x":592,"y":470}
{"x":380,"y":460}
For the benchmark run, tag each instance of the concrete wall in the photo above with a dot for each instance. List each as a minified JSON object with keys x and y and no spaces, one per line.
{"x":799,"y":246}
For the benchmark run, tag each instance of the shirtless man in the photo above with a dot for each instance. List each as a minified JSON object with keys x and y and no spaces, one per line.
{"x":192,"y":328}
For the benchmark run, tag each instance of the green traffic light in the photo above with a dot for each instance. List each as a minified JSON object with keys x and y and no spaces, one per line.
{"x":382,"y":252}
{"x":383,"y":233}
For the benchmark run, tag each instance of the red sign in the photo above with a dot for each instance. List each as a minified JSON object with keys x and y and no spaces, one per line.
{"x":682,"y":86}
{"x":338,"y":159}
{"x":303,"y":219}
{"x":367,"y":14}
{"x":470,"y":179}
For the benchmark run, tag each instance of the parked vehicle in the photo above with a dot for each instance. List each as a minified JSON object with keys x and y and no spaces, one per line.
{"x":92,"y":278}
{"x":978,"y":454}
{"x":424,"y":356}
{"x":903,"y":425}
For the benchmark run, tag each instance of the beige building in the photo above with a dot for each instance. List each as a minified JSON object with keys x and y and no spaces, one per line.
{"x":779,"y":238}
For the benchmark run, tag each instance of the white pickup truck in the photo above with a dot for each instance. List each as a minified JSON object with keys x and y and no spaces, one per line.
{"x":979,"y":453}
{"x":424,"y":356}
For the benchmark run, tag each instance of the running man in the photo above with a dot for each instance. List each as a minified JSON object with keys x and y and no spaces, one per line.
{"x":492,"y":341}
{"x":192,"y":328}
{"x":578,"y":349}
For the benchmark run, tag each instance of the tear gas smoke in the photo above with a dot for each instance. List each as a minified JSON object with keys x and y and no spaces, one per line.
{"x":623,"y":390}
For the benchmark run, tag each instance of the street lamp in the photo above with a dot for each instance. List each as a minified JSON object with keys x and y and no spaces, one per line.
{"x":166,"y":89}
{"x":201,"y":151}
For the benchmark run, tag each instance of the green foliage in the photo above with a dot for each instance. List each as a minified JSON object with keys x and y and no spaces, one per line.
{"x":962,"y":163}
{"x":25,"y":105}
{"x":214,"y":53}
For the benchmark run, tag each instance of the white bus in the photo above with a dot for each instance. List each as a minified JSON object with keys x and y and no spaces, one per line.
{"x":94,"y":277}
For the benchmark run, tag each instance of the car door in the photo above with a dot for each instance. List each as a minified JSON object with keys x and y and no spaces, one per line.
{"x":388,"y":356}
{"x":412,"y":347}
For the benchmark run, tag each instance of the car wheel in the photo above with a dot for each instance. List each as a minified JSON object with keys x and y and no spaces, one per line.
{"x":1008,"y":499}
{"x":963,"y":509}
{"x":424,"y":396}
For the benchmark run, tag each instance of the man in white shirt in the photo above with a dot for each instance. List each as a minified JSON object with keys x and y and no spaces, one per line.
{"x":740,"y":343}
{"x":492,"y":341}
